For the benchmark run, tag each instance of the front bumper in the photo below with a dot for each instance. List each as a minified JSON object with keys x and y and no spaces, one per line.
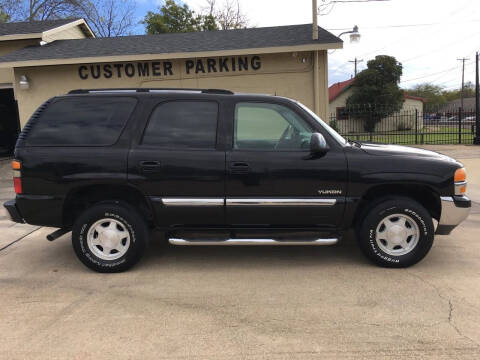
{"x":11,"y":207}
{"x":455,"y":209}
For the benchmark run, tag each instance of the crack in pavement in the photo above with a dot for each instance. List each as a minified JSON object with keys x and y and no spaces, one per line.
{"x":450,"y":307}
{"x":20,"y":238}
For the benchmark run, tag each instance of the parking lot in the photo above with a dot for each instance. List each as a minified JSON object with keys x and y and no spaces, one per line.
{"x":247,"y":303}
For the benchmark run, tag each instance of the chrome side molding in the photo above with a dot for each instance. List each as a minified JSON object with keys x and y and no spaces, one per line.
{"x":193,"y":201}
{"x":280,"y":202}
{"x":233,"y":242}
{"x":180,"y":201}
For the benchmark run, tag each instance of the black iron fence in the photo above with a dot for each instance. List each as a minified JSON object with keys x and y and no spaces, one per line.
{"x":409,"y":127}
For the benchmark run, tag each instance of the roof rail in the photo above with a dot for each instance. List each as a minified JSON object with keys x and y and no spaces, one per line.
{"x":152,"y":90}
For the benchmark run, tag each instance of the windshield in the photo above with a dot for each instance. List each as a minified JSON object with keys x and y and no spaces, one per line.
{"x":330,"y":130}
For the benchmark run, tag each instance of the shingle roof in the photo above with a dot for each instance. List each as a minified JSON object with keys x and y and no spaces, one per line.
{"x":33,"y":27}
{"x":279,"y":36}
{"x":336,"y":89}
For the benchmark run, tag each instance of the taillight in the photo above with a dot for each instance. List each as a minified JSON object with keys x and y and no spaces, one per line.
{"x":17,"y":184}
{"x":17,"y":176}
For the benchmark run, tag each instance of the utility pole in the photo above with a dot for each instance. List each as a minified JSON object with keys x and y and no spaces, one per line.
{"x":315,"y":20}
{"x":463,"y":79}
{"x":356,"y":61}
{"x":477,"y":103}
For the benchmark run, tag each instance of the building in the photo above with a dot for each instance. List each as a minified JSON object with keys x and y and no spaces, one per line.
{"x":282,"y":60}
{"x":405,"y":118}
{"x":16,"y":36}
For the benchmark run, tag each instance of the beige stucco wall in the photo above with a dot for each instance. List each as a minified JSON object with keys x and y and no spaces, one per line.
{"x":6,"y":75}
{"x":285,"y":74}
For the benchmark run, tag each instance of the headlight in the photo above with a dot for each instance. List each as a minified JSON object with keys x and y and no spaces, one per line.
{"x":460,"y":179}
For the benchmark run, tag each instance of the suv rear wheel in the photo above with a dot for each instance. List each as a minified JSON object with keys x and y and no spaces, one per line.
{"x":110,"y":237}
{"x":396,"y":232}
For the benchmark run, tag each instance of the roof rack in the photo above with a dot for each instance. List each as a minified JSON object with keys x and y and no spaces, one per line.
{"x":151,"y":90}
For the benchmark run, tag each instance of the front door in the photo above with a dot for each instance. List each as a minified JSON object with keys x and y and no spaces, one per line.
{"x":177,"y":164}
{"x":272,"y":180}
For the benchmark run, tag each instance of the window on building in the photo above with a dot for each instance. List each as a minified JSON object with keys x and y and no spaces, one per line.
{"x":342,"y":113}
{"x":78,"y":121}
{"x":263,"y":126}
{"x":183,"y":124}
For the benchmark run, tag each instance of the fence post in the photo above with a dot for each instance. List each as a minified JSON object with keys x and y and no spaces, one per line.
{"x":460,"y":113}
{"x":416,"y":126}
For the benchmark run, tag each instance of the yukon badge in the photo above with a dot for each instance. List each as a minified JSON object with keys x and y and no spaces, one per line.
{"x":330,"y":192}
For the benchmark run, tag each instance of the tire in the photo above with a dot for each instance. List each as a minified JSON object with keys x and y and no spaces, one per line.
{"x":396,"y":232}
{"x":110,"y":237}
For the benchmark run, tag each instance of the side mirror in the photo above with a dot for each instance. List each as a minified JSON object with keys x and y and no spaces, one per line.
{"x":318,"y":144}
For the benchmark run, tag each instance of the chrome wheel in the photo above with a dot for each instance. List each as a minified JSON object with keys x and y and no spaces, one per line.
{"x":397,"y":234}
{"x":108,"y":239}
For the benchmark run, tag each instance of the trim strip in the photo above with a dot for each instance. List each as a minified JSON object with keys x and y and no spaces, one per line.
{"x":280,"y":202}
{"x":248,"y":202}
{"x":230,"y":242}
{"x":193,"y":201}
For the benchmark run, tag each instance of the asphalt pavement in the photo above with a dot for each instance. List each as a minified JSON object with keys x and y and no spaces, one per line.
{"x":241,"y":303}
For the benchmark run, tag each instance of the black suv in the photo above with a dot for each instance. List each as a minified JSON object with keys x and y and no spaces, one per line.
{"x":210,"y":167}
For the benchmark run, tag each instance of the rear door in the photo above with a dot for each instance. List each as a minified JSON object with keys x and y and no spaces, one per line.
{"x":179,"y":164}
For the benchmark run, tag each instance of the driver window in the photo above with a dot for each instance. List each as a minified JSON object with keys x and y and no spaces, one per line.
{"x":263,"y":126}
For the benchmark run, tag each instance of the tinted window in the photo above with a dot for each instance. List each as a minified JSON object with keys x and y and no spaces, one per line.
{"x":183,"y":124}
{"x":263,"y":126}
{"x":82,"y":121}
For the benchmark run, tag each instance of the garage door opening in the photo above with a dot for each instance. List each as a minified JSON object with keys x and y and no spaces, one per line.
{"x":9,"y":122}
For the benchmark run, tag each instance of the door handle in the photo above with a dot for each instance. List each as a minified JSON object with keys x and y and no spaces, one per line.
{"x":239,"y":167}
{"x":150,"y":166}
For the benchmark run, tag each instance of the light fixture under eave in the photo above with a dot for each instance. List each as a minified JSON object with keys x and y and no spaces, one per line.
{"x":355,"y":35}
{"x":23,"y":82}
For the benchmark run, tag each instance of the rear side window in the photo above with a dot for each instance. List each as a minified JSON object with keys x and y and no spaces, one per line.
{"x":82,"y":121}
{"x":183,"y":125}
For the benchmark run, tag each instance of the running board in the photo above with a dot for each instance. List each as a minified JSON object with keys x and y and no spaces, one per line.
{"x":231,"y":242}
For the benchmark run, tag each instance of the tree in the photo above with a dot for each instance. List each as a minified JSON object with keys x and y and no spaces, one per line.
{"x":468,"y":91}
{"x":376,"y":89}
{"x":108,"y":17}
{"x":31,"y":10}
{"x":3,"y":17}
{"x":175,"y":18}
{"x":433,"y":93}
{"x":229,"y":15}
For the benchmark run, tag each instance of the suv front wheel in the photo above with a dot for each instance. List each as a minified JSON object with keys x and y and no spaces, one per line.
{"x":396,"y":232}
{"x":110,"y":237}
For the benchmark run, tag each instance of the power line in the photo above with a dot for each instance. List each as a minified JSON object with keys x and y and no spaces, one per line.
{"x":406,"y":25}
{"x":425,"y":76}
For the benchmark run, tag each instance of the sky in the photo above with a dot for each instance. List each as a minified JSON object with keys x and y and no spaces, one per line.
{"x":426,"y":36}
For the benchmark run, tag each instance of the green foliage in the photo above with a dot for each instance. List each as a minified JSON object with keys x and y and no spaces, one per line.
{"x":4,"y":17}
{"x":437,"y":96}
{"x":377,"y":87}
{"x":433,"y":93}
{"x":468,"y":91}
{"x":173,"y":18}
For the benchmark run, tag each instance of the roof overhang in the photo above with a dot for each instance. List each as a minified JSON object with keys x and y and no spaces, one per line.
{"x":162,"y":56}
{"x":42,"y":35}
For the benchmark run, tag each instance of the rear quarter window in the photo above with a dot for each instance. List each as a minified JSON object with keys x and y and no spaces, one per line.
{"x":81,"y":121}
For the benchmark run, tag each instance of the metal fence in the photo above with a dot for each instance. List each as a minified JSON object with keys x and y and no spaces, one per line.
{"x":409,"y":127}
